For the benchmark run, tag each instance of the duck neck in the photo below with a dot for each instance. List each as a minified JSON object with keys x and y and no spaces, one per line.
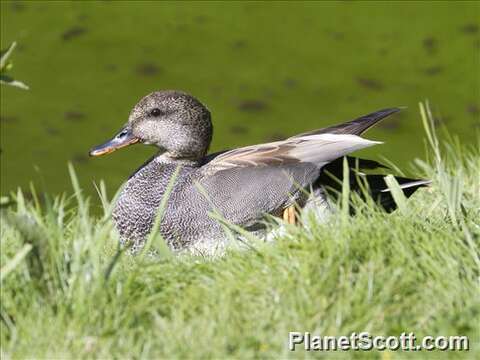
{"x":167,"y":158}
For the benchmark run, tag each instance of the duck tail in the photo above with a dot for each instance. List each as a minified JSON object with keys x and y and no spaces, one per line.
{"x":357,"y":126}
{"x":372,"y":185}
{"x":380,"y":192}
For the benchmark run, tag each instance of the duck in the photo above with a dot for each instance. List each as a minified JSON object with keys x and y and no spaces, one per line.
{"x":245,"y":186}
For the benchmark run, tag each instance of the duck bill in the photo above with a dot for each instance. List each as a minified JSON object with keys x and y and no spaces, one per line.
{"x":122,"y":139}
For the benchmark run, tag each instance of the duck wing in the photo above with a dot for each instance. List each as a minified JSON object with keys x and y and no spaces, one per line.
{"x":318,"y":146}
{"x":316,"y":149}
{"x":243,"y":184}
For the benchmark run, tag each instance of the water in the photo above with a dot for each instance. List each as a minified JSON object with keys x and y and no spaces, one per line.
{"x":265,"y":71}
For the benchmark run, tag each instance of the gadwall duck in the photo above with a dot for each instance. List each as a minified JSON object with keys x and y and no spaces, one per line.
{"x":243,"y":185}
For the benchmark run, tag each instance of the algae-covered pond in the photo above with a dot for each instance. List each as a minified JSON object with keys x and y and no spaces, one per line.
{"x":265,"y":70}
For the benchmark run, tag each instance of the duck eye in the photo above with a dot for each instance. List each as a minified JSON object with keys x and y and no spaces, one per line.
{"x":156,"y":112}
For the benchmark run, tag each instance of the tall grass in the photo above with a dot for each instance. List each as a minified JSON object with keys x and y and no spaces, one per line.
{"x":69,"y":291}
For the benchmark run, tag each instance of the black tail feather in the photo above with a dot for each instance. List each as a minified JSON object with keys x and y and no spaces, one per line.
{"x":380,"y":191}
{"x":373,"y":185}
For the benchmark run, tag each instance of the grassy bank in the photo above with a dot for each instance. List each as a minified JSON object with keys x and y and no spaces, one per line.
{"x":68,"y":293}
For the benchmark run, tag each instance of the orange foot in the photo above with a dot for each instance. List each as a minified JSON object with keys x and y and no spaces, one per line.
{"x":289,"y":215}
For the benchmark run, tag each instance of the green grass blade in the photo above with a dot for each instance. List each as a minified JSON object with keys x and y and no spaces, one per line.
{"x":13,"y":263}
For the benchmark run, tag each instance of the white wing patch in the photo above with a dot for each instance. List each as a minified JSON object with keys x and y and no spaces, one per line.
{"x":323,"y":148}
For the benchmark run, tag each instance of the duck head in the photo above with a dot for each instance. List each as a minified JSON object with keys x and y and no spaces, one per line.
{"x":175,"y":122}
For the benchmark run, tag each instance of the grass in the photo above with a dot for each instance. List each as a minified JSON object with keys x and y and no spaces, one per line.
{"x":68,"y":293}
